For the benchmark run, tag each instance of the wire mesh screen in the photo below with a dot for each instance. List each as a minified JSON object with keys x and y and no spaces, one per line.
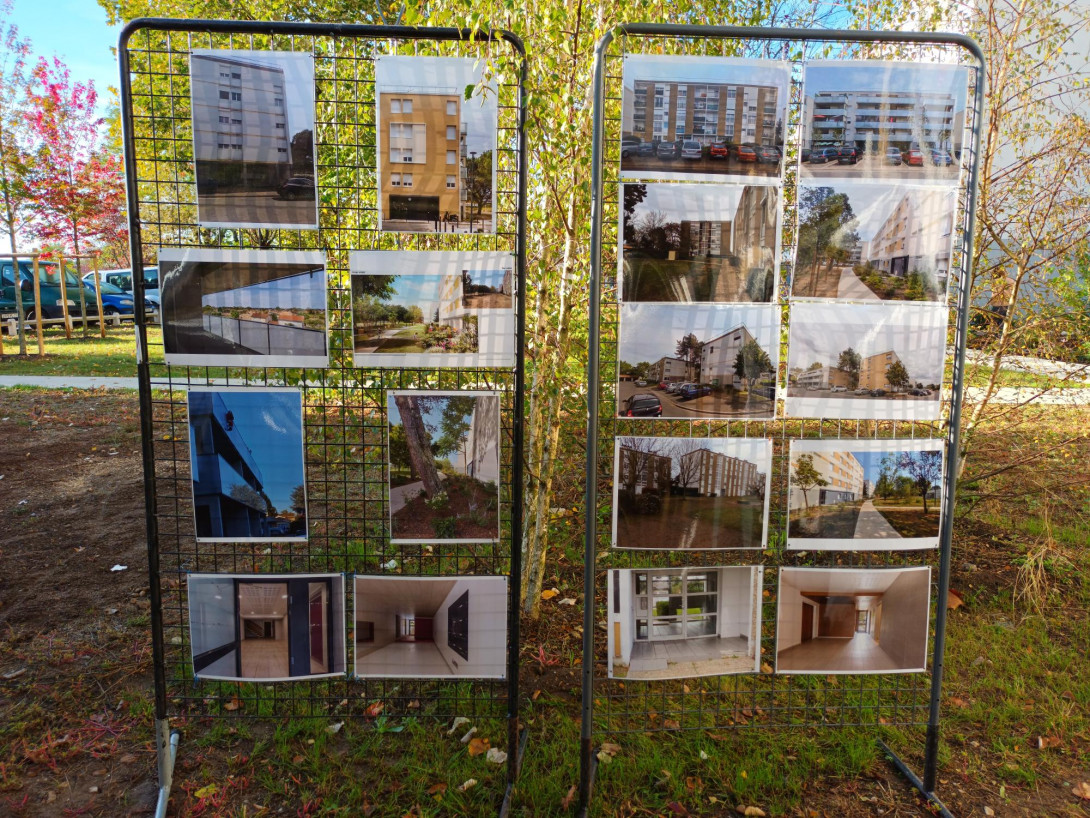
{"x":757,"y":696}
{"x":345,"y":416}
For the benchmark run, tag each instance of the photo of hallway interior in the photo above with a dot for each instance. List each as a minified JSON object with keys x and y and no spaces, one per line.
{"x":267,"y":629}
{"x":852,"y":620}
{"x":431,"y":627}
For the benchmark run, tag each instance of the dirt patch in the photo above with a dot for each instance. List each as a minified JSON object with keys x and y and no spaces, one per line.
{"x":469,"y":511}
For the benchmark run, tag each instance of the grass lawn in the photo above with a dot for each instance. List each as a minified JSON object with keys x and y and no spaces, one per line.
{"x":113,"y":356}
{"x":820,"y":522}
{"x":694,"y":522}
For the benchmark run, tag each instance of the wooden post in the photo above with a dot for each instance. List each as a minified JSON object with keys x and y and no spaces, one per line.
{"x":82,"y":294}
{"x":20,"y":310}
{"x":38,"y":307}
{"x":64,"y":297}
{"x":98,"y":298}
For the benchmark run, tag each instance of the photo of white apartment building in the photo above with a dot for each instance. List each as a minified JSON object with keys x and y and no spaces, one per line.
{"x":874,"y":120}
{"x":843,"y":473}
{"x":718,"y":355}
{"x":720,"y":475}
{"x":915,"y":236}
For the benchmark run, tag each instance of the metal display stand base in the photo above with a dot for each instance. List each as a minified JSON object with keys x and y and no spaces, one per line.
{"x":166,"y":745}
{"x":915,"y":780}
{"x":509,"y":793}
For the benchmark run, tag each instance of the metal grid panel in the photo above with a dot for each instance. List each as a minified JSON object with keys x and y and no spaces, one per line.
{"x":344,"y":406}
{"x":766,"y":699}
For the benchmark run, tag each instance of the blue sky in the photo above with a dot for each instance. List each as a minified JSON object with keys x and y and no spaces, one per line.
{"x":300,"y":292}
{"x":432,"y":412}
{"x":75,"y":31}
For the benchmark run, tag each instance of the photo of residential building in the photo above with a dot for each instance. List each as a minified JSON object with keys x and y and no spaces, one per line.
{"x":696,"y":117}
{"x":888,"y":358}
{"x":729,"y":353}
{"x":692,"y":243}
{"x":443,"y":309}
{"x":669,"y":370}
{"x":680,"y":623}
{"x":690,"y":493}
{"x":431,"y":627}
{"x":864,"y":494}
{"x":884,"y":119}
{"x":435,"y":148}
{"x":848,"y":620}
{"x":253,"y":138}
{"x":246,"y":461}
{"x":444,"y":450}
{"x":266,"y":627}
{"x":244,"y":307}
{"x":865,"y":242}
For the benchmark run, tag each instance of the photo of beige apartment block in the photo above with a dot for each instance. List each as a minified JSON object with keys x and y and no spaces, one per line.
{"x":877,"y":119}
{"x":823,"y":377}
{"x":668,"y":370}
{"x":915,"y":236}
{"x":435,"y":148}
{"x":665,"y":110}
{"x":719,"y":475}
{"x":843,"y":475}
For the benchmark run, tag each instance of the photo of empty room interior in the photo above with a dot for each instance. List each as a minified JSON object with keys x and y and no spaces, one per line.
{"x":267,"y":628}
{"x":431,"y":627}
{"x":677,"y":623}
{"x":844,"y":620}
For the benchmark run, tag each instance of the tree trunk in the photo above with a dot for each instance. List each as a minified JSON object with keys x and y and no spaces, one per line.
{"x":419,"y":442}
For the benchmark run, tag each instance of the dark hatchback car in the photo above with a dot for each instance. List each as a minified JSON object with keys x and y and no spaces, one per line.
{"x":49,"y":289}
{"x":767,"y":155}
{"x":694,"y":390}
{"x":642,"y":405}
{"x":847,"y":156}
{"x":668,"y":150}
{"x":823,"y":155}
{"x":297,"y":187}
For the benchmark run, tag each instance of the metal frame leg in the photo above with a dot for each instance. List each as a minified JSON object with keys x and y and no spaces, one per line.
{"x":166,"y":746}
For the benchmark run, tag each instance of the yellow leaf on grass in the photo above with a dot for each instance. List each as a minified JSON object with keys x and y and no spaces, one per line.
{"x":234,"y":704}
{"x":478,"y":746}
{"x":1082,"y":790}
{"x":207,"y":791}
{"x":550,"y":593}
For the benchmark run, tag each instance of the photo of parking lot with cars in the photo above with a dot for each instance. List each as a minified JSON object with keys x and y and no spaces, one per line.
{"x":701,"y":117}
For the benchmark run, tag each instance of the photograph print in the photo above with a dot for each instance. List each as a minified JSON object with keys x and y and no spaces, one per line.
{"x":702,"y":117}
{"x":702,"y":361}
{"x":256,"y":308}
{"x":443,"y":309}
{"x":688,"y":243}
{"x":690,"y":493}
{"x":267,"y":627}
{"x":248,"y":470}
{"x":253,"y":138}
{"x":874,"y":119}
{"x":865,"y":242}
{"x":877,"y":495}
{"x":682,"y":623}
{"x":436,"y":148}
{"x":852,"y":620}
{"x":878,"y":361}
{"x":431,"y":627}
{"x":444,"y":466}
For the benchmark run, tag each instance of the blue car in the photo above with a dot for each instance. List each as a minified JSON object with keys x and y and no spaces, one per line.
{"x":694,"y":390}
{"x":115,"y":301}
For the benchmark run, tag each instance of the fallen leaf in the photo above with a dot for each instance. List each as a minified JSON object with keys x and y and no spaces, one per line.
{"x":234,"y":704}
{"x":207,"y":791}
{"x":374,"y":710}
{"x":1044,"y":742}
{"x":437,"y":789}
{"x":458,"y":722}
{"x":957,"y":701}
{"x":550,"y":593}
{"x":496,"y":755}
{"x":704,"y":756}
{"x":566,"y":601}
{"x":566,"y":801}
{"x":989,"y":812}
{"x":535,"y":695}
{"x":467,"y":785}
{"x":766,"y":667}
{"x":954,"y":600}
{"x":753,"y":812}
{"x":297,"y":760}
{"x":610,"y":748}
{"x":676,"y":808}
{"x":478,"y":746}
{"x":671,"y":724}
{"x":1082,"y":790}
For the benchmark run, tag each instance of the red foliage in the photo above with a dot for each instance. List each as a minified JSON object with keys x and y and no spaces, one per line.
{"x":77,"y":186}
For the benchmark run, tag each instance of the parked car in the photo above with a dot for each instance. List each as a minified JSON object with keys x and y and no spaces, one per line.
{"x":745,"y":153}
{"x":893,"y":156}
{"x":297,"y":187}
{"x":629,"y":146}
{"x":847,"y":155}
{"x":719,"y":149}
{"x":767,"y":155}
{"x":122,"y":279}
{"x":662,"y":385}
{"x":667,"y":150}
{"x":823,"y":155}
{"x":642,"y":405}
{"x":694,"y":390}
{"x":691,"y":149}
{"x":941,"y":158}
{"x":913,"y":156}
{"x":672,"y":388}
{"x":839,"y":389}
{"x":806,"y":155}
{"x":646,"y":148}
{"x":641,"y":382}
{"x":49,"y":283}
{"x":115,"y":301}
{"x":919,"y":392}
{"x":878,"y":393}
{"x":862,"y":391}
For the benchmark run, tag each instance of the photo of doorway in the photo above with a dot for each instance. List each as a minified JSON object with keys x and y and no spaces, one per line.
{"x":677,"y":623}
{"x":267,"y":628}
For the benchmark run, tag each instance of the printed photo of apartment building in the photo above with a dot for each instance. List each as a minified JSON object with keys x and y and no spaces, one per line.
{"x":640,"y":470}
{"x":718,"y":355}
{"x":668,"y":370}
{"x":720,"y":475}
{"x":253,"y":138}
{"x":874,"y":369}
{"x":916,"y":236}
{"x":843,"y":475}
{"x":665,"y":110}
{"x":877,"y":119}
{"x":435,"y":149}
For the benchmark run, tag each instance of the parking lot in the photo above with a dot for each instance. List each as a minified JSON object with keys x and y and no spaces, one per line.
{"x":652,"y":164}
{"x":875,"y":167}
{"x":729,"y":404}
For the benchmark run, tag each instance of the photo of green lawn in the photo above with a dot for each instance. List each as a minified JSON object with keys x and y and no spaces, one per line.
{"x":879,"y":494}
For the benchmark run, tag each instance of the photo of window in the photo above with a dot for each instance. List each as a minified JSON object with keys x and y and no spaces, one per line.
{"x":852,"y":620}
{"x":707,"y":361}
{"x":444,"y":466}
{"x":702,"y":117}
{"x":243,"y":307}
{"x":690,"y":493}
{"x":436,"y":149}
{"x":681,"y":623}
{"x":698,"y":242}
{"x":878,"y":119}
{"x":266,"y":627}
{"x":246,"y":458}
{"x":882,"y":361}
{"x":431,"y":627}
{"x":865,"y":242}
{"x":864,"y":494}
{"x":253,"y":138}
{"x":441,"y":309}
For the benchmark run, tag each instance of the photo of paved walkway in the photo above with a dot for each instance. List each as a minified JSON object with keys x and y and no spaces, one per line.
{"x":871,"y":525}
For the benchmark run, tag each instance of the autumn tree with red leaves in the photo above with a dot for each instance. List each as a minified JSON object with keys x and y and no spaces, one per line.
{"x":76,"y":182}
{"x":14,"y":159}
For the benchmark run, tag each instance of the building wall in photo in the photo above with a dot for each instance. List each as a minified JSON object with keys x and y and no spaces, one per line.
{"x":669,"y":370}
{"x":720,"y":475}
{"x":242,"y":136}
{"x":915,"y":236}
{"x":718,"y":355}
{"x":212,"y":626}
{"x":824,"y":377}
{"x":875,"y":120}
{"x":643,"y":471}
{"x":482,"y":449}
{"x":842,"y":471}
{"x":663,"y":111}
{"x":422,"y":161}
{"x":486,"y":600}
{"x":903,"y":631}
{"x":872,"y":371}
